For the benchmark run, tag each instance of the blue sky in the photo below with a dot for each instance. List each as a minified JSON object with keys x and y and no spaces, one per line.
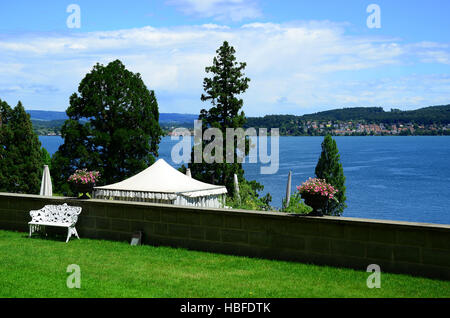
{"x":302,"y":56}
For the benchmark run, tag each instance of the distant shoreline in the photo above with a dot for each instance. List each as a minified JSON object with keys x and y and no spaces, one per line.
{"x":355,"y":121}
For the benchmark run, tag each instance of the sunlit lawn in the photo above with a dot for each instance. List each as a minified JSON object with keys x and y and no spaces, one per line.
{"x":36,"y":267}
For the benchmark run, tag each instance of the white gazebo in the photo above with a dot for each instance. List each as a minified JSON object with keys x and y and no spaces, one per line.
{"x":161,"y":183}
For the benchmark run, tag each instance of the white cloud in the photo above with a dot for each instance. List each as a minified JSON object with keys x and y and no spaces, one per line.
{"x":215,"y":26}
{"x":225,"y":10}
{"x":294,"y":68}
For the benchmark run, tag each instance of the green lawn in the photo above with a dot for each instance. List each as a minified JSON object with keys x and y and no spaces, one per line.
{"x":36,"y":267}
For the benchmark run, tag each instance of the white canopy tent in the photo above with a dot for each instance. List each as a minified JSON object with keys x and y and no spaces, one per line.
{"x":161,"y":183}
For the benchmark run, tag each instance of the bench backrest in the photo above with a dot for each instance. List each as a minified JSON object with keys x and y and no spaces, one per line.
{"x":56,"y":214}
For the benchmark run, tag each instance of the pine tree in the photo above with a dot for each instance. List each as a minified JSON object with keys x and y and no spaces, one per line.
{"x":21,"y":164}
{"x":330,"y":169}
{"x":6,"y":138}
{"x":222,"y":90}
{"x":112,"y":127}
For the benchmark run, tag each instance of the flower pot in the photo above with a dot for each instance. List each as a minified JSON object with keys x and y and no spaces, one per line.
{"x":84,"y":189}
{"x":316,"y":202}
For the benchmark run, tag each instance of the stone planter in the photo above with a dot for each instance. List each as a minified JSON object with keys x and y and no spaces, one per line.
{"x":316,"y":202}
{"x":84,"y":189}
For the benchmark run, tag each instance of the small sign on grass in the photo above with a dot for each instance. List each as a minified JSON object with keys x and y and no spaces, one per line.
{"x":136,"y":239}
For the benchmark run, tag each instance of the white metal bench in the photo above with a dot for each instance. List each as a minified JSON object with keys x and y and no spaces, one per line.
{"x":55,"y":215}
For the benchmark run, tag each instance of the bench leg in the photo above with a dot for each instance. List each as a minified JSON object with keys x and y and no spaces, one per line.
{"x":75,"y":232}
{"x":41,"y":229}
{"x":33,"y":228}
{"x":71,"y":231}
{"x":69,"y":234}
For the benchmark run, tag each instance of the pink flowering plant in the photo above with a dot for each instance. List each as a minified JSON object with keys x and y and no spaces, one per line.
{"x":318,"y":187}
{"x":84,"y":177}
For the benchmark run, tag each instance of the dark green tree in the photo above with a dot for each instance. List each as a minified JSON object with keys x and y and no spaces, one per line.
{"x":5,"y":112}
{"x":46,"y":158}
{"x":222,"y":89}
{"x":112,"y":127}
{"x":6,"y":139}
{"x":330,"y":168}
{"x":21,"y":159}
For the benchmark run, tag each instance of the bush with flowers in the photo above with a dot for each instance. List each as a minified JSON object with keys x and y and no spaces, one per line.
{"x":317,"y":192}
{"x":84,"y":177}
{"x":315,"y":186}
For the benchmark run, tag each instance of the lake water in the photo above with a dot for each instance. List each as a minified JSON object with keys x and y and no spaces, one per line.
{"x":394,"y":178}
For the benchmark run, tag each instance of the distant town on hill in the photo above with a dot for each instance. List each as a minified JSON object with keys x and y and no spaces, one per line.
{"x":360,"y":121}
{"x":355,"y":121}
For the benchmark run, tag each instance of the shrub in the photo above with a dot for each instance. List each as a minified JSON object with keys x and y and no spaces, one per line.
{"x":249,"y":198}
{"x":296,"y":205}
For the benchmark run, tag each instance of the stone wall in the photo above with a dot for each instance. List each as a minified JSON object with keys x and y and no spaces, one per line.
{"x":401,"y":247}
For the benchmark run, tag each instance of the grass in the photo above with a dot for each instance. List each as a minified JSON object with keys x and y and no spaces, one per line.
{"x":36,"y":267}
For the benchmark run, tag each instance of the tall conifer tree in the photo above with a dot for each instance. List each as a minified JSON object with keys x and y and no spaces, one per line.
{"x":21,"y":164}
{"x":330,"y":168}
{"x":5,"y":142}
{"x":222,"y":89}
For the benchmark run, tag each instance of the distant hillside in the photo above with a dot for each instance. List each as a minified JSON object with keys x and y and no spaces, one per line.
{"x":45,"y":122}
{"x":44,"y":115}
{"x":47,"y":115}
{"x":427,"y":115}
{"x":46,"y":127}
{"x":423,"y":116}
{"x":177,"y":118}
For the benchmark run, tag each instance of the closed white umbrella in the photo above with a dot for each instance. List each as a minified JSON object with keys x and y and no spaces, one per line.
{"x":188,"y":172}
{"x":288,"y":189}
{"x":236,"y":188}
{"x":46,"y":183}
